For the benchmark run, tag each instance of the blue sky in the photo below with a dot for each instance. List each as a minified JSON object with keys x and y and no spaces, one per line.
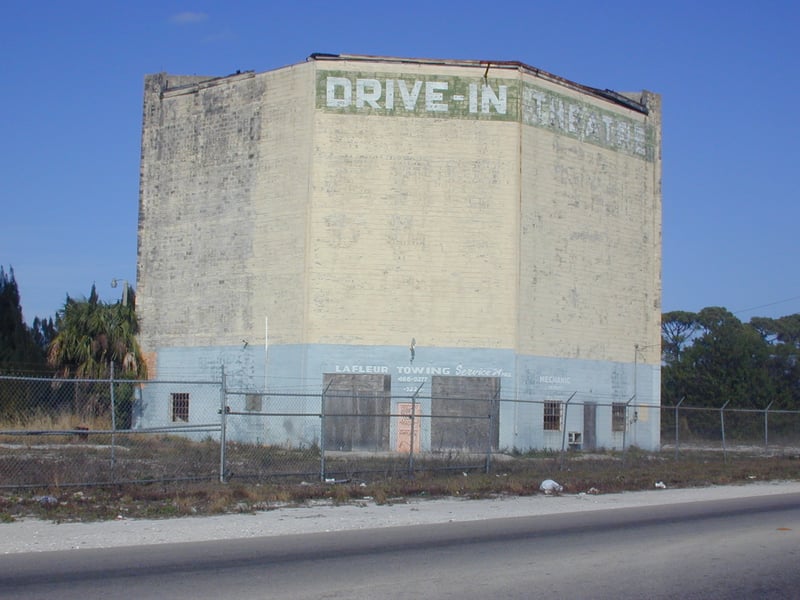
{"x":71,"y":112}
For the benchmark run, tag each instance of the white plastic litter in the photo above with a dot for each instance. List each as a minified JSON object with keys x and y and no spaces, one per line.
{"x":551,"y":487}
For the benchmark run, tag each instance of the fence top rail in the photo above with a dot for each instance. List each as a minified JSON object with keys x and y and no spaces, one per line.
{"x":351,"y":414}
{"x":772,"y":411}
{"x":318,"y":394}
{"x":418,"y":399}
{"x":171,"y":381}
{"x":45,"y":432}
{"x":110,"y":380}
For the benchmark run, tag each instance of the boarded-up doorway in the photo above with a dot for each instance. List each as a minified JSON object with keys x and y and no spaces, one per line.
{"x":408,"y":429}
{"x":465,"y":413}
{"x":356,"y":409}
{"x":590,"y":426}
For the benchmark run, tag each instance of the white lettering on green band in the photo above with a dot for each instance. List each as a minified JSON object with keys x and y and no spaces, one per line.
{"x":484,"y":99}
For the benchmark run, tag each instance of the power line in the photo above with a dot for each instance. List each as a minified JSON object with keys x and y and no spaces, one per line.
{"x":766,"y":305}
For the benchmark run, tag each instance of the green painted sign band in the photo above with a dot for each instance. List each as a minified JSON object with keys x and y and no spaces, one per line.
{"x":490,"y":99}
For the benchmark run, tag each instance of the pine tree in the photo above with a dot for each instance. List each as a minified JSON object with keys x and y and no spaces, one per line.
{"x":19,"y":351}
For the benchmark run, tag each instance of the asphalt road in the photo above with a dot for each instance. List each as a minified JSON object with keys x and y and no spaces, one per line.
{"x":737,"y":548}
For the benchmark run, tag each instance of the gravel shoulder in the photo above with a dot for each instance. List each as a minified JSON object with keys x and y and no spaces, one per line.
{"x":32,"y":535}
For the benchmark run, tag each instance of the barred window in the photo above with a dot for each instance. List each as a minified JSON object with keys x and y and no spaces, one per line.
{"x":618,"y":414}
{"x":180,"y":406}
{"x":552,"y":416}
{"x":253,"y":402}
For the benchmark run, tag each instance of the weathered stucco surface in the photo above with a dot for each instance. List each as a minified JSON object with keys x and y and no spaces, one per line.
{"x":357,"y":215}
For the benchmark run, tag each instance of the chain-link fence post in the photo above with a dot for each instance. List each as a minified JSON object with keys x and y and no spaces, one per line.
{"x":722,"y":425}
{"x":223,"y":412}
{"x":625,"y":431}
{"x":677,"y":427}
{"x":413,"y":417}
{"x":766,"y":427}
{"x":322,"y":432}
{"x":113,"y":421}
{"x":490,"y":437}
{"x":564,"y":431}
{"x":411,"y":434}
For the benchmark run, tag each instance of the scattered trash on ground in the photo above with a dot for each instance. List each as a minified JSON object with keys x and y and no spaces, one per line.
{"x":551,"y":487}
{"x":660,"y":485}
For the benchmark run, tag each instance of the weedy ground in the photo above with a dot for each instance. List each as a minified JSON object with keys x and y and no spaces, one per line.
{"x":509,"y":475}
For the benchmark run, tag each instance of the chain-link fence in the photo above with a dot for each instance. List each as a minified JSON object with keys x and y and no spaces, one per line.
{"x":338,"y":436}
{"x":728,"y":429}
{"x":62,"y":432}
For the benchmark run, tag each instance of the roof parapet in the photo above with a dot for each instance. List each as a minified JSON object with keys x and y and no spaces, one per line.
{"x":606,"y":94}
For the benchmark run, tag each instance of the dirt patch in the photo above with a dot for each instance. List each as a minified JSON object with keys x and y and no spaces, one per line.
{"x":33,"y":535}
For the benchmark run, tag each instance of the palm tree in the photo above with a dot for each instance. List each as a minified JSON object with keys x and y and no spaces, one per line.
{"x":90,"y":337}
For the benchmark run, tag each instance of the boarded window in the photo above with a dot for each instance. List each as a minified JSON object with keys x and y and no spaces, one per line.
{"x":465,"y":413}
{"x":180,"y":407}
{"x":357,"y":409}
{"x":618,"y":414}
{"x":552,"y":416}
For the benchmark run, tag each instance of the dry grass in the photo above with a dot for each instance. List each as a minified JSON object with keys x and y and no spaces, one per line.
{"x":49,"y":421}
{"x":607,"y":473}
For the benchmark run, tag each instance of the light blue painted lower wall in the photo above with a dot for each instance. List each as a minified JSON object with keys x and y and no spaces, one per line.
{"x":292,"y":379}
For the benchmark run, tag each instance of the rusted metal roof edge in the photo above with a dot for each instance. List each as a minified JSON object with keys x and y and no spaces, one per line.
{"x":608,"y":95}
{"x":190,"y":88}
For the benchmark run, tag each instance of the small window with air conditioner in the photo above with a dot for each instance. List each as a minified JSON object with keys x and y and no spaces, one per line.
{"x":618,"y":416}
{"x":180,"y":407}
{"x":552,"y":416}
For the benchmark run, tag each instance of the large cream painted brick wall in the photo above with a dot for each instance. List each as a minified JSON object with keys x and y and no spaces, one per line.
{"x":413,"y":232}
{"x":357,"y":228}
{"x":222,"y":207}
{"x":590,"y":245}
{"x":281,"y":198}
